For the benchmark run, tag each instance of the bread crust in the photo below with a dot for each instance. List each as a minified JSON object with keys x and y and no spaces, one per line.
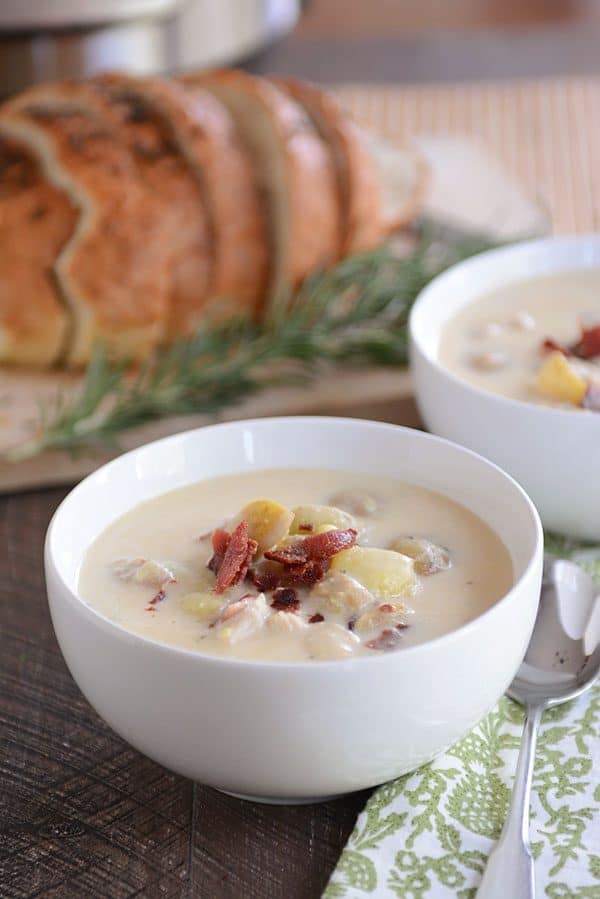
{"x":235,"y":257}
{"x":314,"y":215}
{"x":113,"y":271}
{"x":358,"y":183}
{"x":36,"y":220}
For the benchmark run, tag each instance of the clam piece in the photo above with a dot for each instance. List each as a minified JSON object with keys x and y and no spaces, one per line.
{"x":268,"y":522}
{"x":143,"y":571}
{"x":429,"y":557}
{"x":384,"y":616}
{"x":327,"y":640}
{"x":356,"y":501}
{"x":523,"y":321}
{"x":488,"y":330}
{"x":242,"y":618}
{"x":490,"y":360}
{"x":383,"y":572}
{"x":286,"y":623}
{"x":340,"y":593}
{"x":310,"y":519}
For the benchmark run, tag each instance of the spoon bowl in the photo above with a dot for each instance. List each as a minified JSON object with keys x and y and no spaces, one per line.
{"x":563,"y":656}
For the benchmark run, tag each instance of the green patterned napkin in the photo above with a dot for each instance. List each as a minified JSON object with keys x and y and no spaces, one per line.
{"x":427,"y":835}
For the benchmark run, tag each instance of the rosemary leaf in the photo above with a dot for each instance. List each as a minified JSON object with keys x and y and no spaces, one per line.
{"x":355,"y":313}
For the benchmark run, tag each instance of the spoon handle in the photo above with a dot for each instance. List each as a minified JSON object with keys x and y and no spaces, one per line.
{"x":509,"y":870}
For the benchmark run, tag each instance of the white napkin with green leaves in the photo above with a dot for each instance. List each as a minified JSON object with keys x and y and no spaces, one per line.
{"x":427,"y":835}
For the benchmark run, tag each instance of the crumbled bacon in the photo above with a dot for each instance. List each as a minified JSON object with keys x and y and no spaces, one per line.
{"x":316,"y":618}
{"x":386,"y":640}
{"x":285,"y":600}
{"x":266,"y":579}
{"x":549,"y":345}
{"x":316,"y":548}
{"x":308,"y":573}
{"x":306,"y":528}
{"x":158,"y":597}
{"x":589,"y":345}
{"x":232,"y":556}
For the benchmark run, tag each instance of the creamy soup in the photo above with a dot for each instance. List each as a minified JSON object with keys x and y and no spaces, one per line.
{"x":332,"y":564}
{"x":537,"y":341}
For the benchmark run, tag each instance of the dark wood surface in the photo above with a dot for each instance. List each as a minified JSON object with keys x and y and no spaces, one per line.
{"x":83,"y":815}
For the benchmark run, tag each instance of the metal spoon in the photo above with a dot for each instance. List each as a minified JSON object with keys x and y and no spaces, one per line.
{"x":561,"y":662}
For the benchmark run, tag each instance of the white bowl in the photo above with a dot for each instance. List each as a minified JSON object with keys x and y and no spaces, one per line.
{"x":293,"y":732}
{"x":554,"y":453}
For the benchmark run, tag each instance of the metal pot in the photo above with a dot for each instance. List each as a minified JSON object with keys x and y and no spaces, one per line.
{"x":40,"y":41}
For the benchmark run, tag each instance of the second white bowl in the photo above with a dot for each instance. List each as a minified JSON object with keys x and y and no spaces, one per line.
{"x":553,"y":453}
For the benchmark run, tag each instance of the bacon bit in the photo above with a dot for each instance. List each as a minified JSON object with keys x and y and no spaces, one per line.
{"x":316,"y":548}
{"x":151,"y":607}
{"x":386,"y":607}
{"x":316,"y":618}
{"x":351,"y":624}
{"x":285,"y":600}
{"x":306,"y":527}
{"x":589,"y":345}
{"x":277,"y":575}
{"x":387,"y":639}
{"x":232,"y":556}
{"x":549,"y":346}
{"x":265,"y":580}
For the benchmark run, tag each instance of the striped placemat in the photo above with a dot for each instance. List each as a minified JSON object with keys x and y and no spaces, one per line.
{"x":547,"y":132}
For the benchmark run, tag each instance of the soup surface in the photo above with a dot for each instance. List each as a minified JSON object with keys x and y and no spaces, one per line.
{"x":333,"y":564}
{"x":537,"y":341}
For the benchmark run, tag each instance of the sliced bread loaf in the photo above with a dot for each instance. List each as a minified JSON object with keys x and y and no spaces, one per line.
{"x":358,"y":181}
{"x":189,"y":148}
{"x":294,"y":170}
{"x":113,"y":270}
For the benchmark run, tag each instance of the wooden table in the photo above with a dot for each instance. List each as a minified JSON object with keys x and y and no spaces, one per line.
{"x":85,"y":816}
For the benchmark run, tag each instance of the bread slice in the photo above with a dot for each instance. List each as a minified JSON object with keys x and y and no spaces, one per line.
{"x":36,"y":220}
{"x":359,"y":186}
{"x":294,"y":170}
{"x":112,"y":272}
{"x":404,"y":176}
{"x":189,"y":149}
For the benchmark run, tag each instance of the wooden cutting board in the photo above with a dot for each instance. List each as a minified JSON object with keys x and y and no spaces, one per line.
{"x":468,"y":188}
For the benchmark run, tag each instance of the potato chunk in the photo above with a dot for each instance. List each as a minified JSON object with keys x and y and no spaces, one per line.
{"x":429,"y":557}
{"x":204,"y":605}
{"x":268,"y":522}
{"x":557,"y":380}
{"x":309,"y":519}
{"x":340,"y":593}
{"x":382,"y":571}
{"x":330,"y":641}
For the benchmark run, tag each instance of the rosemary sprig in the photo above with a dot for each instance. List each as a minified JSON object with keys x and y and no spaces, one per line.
{"x":355,"y":313}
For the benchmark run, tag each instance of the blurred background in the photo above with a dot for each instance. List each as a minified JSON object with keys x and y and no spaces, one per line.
{"x":326,"y":40}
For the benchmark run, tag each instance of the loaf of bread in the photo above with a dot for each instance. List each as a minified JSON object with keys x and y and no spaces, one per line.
{"x":135,"y":210}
